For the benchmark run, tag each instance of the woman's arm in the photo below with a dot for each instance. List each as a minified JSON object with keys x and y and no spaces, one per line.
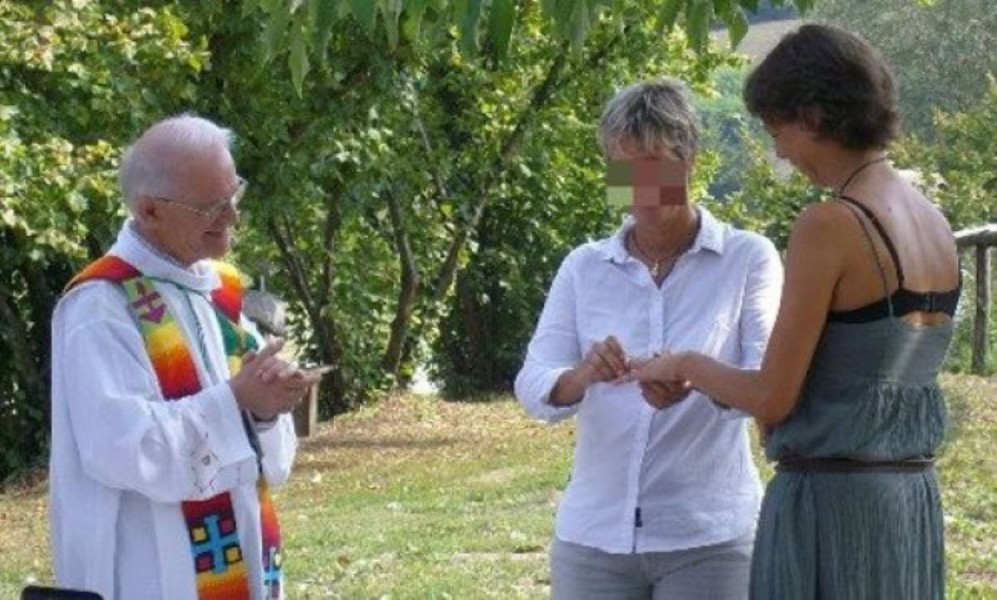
{"x":552,"y":352}
{"x":813,"y":267}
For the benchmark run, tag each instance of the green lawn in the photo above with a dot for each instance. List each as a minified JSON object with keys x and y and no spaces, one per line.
{"x":420,"y":498}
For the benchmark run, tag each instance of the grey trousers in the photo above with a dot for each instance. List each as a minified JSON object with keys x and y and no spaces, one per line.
{"x":719,"y":572}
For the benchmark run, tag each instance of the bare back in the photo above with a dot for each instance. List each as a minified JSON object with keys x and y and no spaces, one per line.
{"x":922,"y":239}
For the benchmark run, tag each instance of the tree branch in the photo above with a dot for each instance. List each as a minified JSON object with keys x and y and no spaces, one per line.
{"x":541,"y":96}
{"x":298,"y":275}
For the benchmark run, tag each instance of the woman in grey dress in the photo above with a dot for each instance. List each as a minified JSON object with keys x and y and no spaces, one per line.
{"x":848,"y":385}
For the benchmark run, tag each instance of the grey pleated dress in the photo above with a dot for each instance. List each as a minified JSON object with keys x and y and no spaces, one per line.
{"x":871,"y":396}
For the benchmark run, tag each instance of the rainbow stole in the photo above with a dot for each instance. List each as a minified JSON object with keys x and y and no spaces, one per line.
{"x":219,"y":569}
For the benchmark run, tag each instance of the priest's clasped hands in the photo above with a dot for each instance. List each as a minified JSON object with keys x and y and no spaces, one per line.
{"x":268,"y":385}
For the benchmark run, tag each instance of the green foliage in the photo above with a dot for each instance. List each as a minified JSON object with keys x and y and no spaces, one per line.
{"x":959,"y":165}
{"x":723,"y":123}
{"x":940,"y":52}
{"x":770,"y":196}
{"x":306,"y":30}
{"x":402,"y":165}
{"x":75,"y":80}
{"x":552,"y":199}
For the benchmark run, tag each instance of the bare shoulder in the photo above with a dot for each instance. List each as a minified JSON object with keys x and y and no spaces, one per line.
{"x":822,"y":220}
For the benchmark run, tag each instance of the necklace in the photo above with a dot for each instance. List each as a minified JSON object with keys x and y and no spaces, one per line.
{"x":858,"y":170}
{"x":655,"y":267}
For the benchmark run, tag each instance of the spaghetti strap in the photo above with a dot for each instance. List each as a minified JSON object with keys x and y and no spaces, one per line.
{"x":882,"y":233}
{"x":851,"y":206}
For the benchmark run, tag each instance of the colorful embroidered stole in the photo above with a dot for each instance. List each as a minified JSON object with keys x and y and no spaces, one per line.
{"x":220,"y":571}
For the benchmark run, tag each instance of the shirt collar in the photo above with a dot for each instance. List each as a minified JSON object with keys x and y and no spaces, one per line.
{"x":710,"y":237}
{"x":145,"y":257}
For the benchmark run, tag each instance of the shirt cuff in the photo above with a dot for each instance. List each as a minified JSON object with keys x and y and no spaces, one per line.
{"x":261,"y":425}
{"x":545,"y":385}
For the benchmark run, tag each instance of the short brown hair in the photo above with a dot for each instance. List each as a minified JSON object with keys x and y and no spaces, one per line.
{"x":833,"y":80}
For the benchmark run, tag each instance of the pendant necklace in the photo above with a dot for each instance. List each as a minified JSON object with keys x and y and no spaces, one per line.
{"x":655,"y":267}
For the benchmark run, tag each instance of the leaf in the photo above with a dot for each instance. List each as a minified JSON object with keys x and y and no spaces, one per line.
{"x":563,"y":17}
{"x":249,"y":6}
{"x":803,"y":5}
{"x":549,"y":8}
{"x":365,"y":12}
{"x":737,"y":27}
{"x":324,"y":13}
{"x":391,"y":10}
{"x":500,"y":23}
{"x":276,"y":32}
{"x":298,"y":58}
{"x":670,"y":10}
{"x":414,"y":10}
{"x":697,"y":26}
{"x":580,"y":22}
{"x":467,"y":13}
{"x":722,"y":9}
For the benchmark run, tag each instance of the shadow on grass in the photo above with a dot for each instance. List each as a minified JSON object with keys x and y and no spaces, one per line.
{"x":375,"y":443}
{"x":475,"y":397}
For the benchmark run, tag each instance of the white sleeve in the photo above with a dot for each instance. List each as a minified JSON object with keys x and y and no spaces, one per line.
{"x":762,"y":296}
{"x":553,"y":350}
{"x":127,"y":436}
{"x":278,"y":441}
{"x":279,"y":444}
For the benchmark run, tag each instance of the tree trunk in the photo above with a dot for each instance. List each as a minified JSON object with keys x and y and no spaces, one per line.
{"x":408,"y":289}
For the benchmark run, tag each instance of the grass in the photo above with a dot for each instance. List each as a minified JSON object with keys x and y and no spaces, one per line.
{"x":418,"y":498}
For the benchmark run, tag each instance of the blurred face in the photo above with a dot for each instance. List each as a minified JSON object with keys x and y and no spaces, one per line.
{"x":195,"y":222}
{"x":654,"y":185}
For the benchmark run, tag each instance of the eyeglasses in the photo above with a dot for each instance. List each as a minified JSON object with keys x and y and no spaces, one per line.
{"x":216,"y":209}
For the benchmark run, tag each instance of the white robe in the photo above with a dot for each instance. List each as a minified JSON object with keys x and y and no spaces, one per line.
{"x":123,"y":458}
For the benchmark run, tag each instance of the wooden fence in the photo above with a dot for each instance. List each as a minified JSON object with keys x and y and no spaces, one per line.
{"x":981,"y":239}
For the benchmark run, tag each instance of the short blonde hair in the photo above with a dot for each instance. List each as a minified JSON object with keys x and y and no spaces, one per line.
{"x":653,"y":115}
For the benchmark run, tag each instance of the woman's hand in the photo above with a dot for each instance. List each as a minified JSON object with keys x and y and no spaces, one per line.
{"x":662,"y":368}
{"x":606,"y":361}
{"x":663,"y":395}
{"x":660,"y":384}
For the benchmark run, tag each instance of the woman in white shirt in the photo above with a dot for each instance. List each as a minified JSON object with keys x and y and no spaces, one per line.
{"x":663,"y":495}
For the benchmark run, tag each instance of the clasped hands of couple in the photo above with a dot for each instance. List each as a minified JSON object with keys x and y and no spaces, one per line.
{"x":268,"y":385}
{"x":607,"y":362}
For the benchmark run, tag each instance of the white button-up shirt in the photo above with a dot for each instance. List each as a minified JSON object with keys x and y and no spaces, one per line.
{"x":647,"y":480}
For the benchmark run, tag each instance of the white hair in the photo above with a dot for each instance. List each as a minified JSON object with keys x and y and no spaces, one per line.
{"x":653,"y":115}
{"x":151,"y":166}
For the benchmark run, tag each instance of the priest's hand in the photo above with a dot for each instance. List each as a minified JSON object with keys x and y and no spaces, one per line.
{"x":267,"y":385}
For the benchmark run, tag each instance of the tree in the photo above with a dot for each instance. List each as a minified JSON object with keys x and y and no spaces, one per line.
{"x":391,"y":159}
{"x":76,"y":82}
{"x":940,"y":51}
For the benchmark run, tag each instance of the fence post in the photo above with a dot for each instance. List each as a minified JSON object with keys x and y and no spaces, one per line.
{"x":981,"y":322}
{"x":306,"y":413}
